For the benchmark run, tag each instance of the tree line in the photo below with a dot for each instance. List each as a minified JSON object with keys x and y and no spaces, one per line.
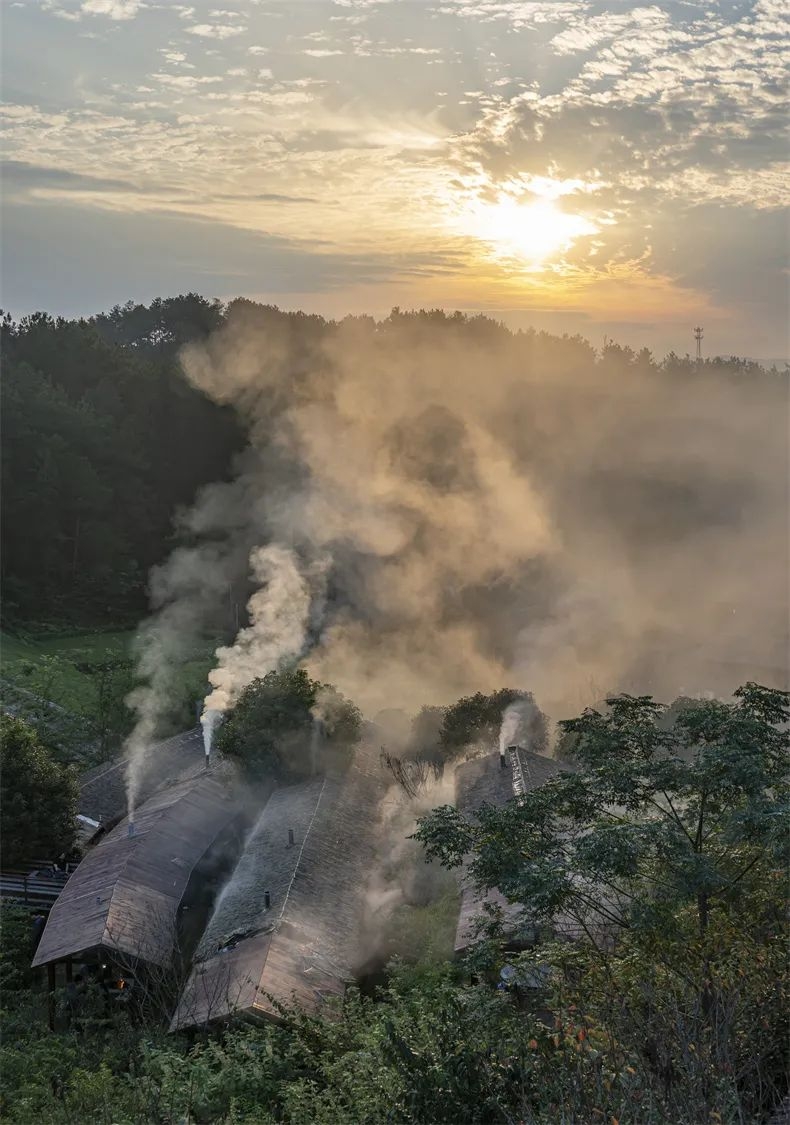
{"x":104,"y":438}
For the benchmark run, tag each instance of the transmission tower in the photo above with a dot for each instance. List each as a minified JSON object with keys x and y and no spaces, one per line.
{"x":698,"y":338}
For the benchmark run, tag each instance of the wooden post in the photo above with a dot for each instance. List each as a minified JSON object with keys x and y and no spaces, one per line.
{"x":24,"y":885}
{"x":51,"y":994}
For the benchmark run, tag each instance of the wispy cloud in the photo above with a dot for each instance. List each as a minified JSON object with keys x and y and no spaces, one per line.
{"x":633,"y":120}
{"x":216,"y":30}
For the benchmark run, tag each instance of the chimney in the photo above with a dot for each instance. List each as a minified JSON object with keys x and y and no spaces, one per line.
{"x":502,"y":759}
{"x":290,"y":837}
{"x":130,"y":829}
{"x":267,"y":900}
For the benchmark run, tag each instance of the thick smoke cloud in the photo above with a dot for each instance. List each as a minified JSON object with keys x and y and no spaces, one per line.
{"x":439,"y":507}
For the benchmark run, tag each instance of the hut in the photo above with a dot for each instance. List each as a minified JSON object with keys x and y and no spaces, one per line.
{"x":285,"y":931}
{"x":123,"y":899}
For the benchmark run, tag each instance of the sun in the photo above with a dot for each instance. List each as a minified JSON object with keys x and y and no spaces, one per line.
{"x":532,"y":231}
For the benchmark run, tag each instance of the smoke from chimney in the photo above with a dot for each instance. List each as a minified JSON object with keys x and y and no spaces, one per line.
{"x":428,"y":509}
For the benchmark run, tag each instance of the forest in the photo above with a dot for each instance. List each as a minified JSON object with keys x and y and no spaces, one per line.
{"x":670,"y":826}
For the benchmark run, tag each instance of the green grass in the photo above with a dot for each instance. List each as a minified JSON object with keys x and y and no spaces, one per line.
{"x":57,"y":667}
{"x":49,"y":667}
{"x":425,"y":935}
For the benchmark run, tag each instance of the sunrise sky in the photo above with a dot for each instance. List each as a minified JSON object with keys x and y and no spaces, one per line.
{"x":606,"y":168}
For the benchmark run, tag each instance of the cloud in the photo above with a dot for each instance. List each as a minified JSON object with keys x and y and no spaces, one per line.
{"x":19,"y":175}
{"x":114,"y":9}
{"x":216,"y":30}
{"x":47,"y":244}
{"x":186,"y":81}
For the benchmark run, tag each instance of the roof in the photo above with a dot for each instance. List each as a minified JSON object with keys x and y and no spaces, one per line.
{"x":124,"y":896}
{"x":303,"y":947}
{"x":103,"y":789}
{"x":485,"y":781}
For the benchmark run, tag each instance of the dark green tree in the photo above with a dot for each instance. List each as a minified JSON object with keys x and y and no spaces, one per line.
{"x":476,"y":719}
{"x":287,"y":725}
{"x":38,"y":797}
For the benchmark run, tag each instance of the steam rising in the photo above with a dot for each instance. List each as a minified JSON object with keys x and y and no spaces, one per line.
{"x":523,"y":725}
{"x":279,"y":611}
{"x":429,"y":507}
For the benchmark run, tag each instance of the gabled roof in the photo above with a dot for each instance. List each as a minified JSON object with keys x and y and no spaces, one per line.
{"x":102,"y":794}
{"x":124,"y":896}
{"x":303,"y":947}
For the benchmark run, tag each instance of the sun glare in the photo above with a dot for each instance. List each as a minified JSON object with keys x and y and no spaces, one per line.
{"x":530,"y":231}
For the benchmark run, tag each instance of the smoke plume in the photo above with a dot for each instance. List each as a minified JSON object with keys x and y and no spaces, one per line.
{"x":523,"y":724}
{"x":432,"y":506}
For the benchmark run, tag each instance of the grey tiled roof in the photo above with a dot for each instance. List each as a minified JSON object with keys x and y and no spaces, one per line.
{"x":303,"y":948}
{"x":124,"y":896}
{"x":103,"y":789}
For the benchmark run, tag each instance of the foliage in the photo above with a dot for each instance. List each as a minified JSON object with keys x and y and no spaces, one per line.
{"x":428,"y":1050}
{"x":102,"y":440}
{"x":16,"y":948}
{"x":663,"y":855}
{"x":38,"y":797}
{"x":282,"y":720}
{"x":653,"y":820}
{"x":476,"y":719}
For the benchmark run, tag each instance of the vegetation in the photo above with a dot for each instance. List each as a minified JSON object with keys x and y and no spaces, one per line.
{"x":662,"y":852}
{"x":102,"y":439}
{"x":37,"y":795}
{"x":663,"y":857}
{"x":285,"y":719}
{"x":669,"y":1005}
{"x":477,"y":719}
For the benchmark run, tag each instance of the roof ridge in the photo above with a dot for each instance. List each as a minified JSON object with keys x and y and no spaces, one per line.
{"x":275,"y":927}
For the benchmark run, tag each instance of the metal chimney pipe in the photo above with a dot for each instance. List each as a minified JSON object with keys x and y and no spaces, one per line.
{"x":267,"y":900}
{"x":290,"y":837}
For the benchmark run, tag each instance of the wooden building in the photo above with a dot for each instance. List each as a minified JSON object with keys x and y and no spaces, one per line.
{"x":123,"y":899}
{"x":102,"y":790}
{"x":286,"y":928}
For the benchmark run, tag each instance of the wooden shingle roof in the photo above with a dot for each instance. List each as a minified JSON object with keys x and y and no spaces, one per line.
{"x":303,"y":948}
{"x":124,"y":896}
{"x":102,"y":790}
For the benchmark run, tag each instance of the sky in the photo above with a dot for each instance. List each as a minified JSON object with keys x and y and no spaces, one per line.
{"x":613,"y":169}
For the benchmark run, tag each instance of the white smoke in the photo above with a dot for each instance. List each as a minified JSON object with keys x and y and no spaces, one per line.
{"x":280,"y":611}
{"x":209,"y":720}
{"x":523,"y":724}
{"x":498,"y":510}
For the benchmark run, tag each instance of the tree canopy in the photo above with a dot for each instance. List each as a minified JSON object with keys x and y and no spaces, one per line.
{"x":38,"y":797}
{"x":478,"y":718}
{"x":287,"y":725}
{"x":655,"y":818}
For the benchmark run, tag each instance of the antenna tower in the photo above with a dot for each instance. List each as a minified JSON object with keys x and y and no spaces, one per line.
{"x":698,"y":338}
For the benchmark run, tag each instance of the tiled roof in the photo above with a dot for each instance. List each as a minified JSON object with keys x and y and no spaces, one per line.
{"x":124,"y":896}
{"x":103,"y":788}
{"x":486,"y":781}
{"x":302,"y":948}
